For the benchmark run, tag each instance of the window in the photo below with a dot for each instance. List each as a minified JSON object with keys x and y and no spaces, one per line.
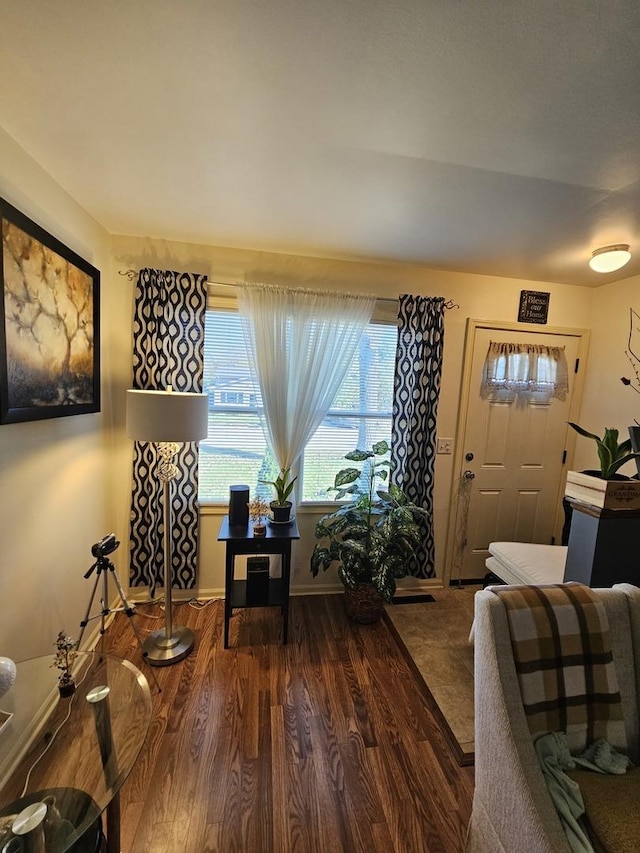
{"x":238,"y":398}
{"x":235,"y":450}
{"x":359,"y":416}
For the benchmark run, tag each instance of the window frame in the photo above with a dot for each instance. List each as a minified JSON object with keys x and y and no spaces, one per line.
{"x":223,"y":297}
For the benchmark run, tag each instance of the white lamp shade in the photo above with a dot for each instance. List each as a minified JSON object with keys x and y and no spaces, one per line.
{"x":610,"y":258}
{"x":167,"y":415}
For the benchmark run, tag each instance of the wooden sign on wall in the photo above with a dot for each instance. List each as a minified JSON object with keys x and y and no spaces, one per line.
{"x":534,"y":306}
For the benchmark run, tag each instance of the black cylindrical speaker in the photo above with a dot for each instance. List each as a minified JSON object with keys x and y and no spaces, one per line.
{"x":238,"y":506}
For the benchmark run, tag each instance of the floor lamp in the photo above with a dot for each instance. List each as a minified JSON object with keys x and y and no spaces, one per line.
{"x":167,"y":419}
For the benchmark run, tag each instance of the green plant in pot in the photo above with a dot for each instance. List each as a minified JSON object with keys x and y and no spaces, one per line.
{"x":371,"y":538}
{"x":611,"y":453}
{"x":283,"y":485}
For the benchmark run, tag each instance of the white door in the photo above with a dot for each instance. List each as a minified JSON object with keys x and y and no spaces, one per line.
{"x":511,"y":457}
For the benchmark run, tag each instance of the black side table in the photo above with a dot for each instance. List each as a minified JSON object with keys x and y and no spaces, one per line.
{"x":240,"y":540}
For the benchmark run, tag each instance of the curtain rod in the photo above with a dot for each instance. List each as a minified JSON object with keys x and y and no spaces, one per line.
{"x":449,"y":303}
{"x":131,"y":274}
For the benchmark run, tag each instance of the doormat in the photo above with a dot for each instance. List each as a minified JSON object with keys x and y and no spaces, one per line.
{"x":434,"y":639}
{"x":412,"y":599}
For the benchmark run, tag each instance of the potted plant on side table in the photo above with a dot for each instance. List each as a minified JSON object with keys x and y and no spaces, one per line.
{"x":371,"y":538}
{"x":283,"y":485}
{"x":605,"y":488}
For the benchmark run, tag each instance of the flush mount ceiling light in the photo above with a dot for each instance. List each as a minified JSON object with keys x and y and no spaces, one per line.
{"x":610,"y":258}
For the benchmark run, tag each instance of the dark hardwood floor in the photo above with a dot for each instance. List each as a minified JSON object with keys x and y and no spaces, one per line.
{"x":325,"y":744}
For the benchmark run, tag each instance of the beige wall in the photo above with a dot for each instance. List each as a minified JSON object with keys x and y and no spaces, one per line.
{"x":480,"y":297}
{"x":606,"y":401}
{"x":54,"y":474}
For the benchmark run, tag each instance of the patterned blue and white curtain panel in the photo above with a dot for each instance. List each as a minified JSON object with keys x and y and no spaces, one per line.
{"x":168,"y":347}
{"x":415,"y":405}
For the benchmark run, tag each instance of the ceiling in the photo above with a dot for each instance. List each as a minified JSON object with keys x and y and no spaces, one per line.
{"x":499,"y":137}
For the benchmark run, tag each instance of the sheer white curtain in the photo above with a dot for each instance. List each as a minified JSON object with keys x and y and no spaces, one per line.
{"x":300,"y":343}
{"x":525,"y":368}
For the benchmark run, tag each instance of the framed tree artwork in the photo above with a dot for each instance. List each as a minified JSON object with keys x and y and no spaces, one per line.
{"x":50,"y":325}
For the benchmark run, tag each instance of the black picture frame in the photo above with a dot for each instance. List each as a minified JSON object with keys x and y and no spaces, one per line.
{"x":533,"y":307}
{"x":49,"y":325}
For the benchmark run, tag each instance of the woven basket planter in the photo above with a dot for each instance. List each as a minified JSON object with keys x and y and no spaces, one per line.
{"x":363,"y":604}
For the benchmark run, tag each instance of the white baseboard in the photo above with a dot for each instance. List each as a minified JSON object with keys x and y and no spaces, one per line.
{"x":140,"y":595}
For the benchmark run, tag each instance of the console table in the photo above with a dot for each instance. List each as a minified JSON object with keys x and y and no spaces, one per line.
{"x":240,"y":540}
{"x":92,"y":741}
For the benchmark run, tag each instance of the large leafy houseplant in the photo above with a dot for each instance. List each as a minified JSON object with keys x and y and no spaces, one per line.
{"x":371,"y":537}
{"x":612,"y":454}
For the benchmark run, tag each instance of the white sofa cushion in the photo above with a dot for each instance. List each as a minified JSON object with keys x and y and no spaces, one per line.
{"x":523,"y":562}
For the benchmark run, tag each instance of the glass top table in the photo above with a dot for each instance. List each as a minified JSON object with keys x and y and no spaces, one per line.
{"x":72,"y":754}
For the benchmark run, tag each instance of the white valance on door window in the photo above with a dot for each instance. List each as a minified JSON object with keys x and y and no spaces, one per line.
{"x":525,"y":369}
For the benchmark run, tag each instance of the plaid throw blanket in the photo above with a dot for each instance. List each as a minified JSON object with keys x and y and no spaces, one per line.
{"x":562,"y":653}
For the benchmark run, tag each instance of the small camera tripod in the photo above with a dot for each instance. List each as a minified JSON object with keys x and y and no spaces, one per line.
{"x":101,"y":566}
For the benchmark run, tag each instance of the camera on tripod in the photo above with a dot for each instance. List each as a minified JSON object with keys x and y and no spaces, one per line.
{"x":105,"y":546}
{"x":103,"y":568}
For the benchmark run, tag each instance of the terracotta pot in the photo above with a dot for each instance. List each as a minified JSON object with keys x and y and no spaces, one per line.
{"x":363,"y":604}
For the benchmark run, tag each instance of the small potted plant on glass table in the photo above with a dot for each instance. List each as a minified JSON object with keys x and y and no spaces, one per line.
{"x":63,"y":659}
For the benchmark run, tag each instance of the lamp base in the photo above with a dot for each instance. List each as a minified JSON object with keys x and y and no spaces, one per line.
{"x":160,"y":650}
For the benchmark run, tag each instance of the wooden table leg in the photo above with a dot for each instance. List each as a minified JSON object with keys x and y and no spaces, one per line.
{"x":228,"y":584}
{"x":286,"y":579}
